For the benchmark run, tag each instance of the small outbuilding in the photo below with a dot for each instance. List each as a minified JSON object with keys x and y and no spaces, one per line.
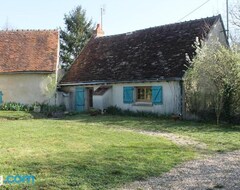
{"x":28,"y":65}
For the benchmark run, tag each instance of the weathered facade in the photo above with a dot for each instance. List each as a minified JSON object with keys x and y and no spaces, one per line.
{"x":137,"y":71}
{"x":113,"y":96}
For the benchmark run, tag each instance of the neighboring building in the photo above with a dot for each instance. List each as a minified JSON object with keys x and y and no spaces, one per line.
{"x":28,"y":65}
{"x":138,"y":71}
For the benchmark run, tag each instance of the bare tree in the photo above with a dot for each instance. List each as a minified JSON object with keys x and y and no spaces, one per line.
{"x":235,"y":13}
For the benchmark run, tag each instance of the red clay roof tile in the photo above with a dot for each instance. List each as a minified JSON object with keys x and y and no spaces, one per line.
{"x":149,"y":54}
{"x":28,"y":51}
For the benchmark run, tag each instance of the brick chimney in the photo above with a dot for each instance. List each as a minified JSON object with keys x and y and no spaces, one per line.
{"x":99,"y":32}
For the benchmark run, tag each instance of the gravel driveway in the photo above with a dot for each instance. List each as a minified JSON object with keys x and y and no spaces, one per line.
{"x":221,"y":171}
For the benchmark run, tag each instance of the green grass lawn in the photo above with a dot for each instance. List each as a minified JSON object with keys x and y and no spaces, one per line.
{"x":218,"y":138}
{"x":15,"y":115}
{"x":81,"y":152}
{"x":85,"y":152}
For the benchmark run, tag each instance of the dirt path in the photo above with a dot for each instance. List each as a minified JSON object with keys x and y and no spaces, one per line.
{"x":177,"y":139}
{"x":221,"y":171}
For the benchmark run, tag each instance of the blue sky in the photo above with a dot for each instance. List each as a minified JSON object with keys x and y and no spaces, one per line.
{"x":121,"y":15}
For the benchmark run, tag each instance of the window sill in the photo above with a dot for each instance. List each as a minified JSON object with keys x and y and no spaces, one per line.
{"x":147,"y":104}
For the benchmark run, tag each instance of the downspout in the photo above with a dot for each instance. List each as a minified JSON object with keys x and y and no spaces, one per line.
{"x":57,"y":70}
{"x":182,"y":102}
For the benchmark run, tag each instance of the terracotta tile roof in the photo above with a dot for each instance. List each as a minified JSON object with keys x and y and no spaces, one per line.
{"x":149,"y":54}
{"x":28,"y":51}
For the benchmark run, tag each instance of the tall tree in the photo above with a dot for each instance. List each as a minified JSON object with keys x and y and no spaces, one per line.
{"x":78,"y":29}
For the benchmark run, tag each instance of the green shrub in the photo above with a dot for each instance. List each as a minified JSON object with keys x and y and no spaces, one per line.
{"x":114,"y":110}
{"x":71,"y":113}
{"x":94,"y":112}
{"x":13,"y":106}
{"x":48,"y":110}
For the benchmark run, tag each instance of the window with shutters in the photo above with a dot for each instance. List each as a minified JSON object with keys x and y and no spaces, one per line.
{"x":144,"y":94}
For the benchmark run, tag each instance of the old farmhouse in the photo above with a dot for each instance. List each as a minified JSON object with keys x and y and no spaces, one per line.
{"x":138,"y":71}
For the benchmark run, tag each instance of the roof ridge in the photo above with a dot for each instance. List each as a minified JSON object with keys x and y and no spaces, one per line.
{"x":164,"y":25}
{"x":30,"y":30}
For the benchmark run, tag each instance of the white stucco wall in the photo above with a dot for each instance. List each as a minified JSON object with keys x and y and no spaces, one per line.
{"x":107,"y":99}
{"x":26,"y":88}
{"x":103,"y":101}
{"x":98,"y":102}
{"x":67,"y":97}
{"x":171,"y":98}
{"x":217,"y":34}
{"x":114,"y":97}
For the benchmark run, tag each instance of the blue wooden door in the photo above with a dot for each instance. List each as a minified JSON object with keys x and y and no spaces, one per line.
{"x":1,"y":94}
{"x":80,"y":99}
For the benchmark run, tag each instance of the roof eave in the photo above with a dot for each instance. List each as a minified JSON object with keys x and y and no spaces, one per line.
{"x":28,"y":72}
{"x":117,"y":82}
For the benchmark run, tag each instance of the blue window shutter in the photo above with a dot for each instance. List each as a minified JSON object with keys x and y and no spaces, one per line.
{"x":1,"y":94}
{"x":128,"y":94}
{"x":157,"y":95}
